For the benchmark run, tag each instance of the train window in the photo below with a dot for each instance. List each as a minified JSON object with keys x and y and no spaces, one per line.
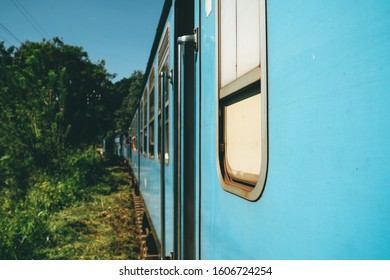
{"x":151,"y":114}
{"x":133,"y":132}
{"x":145,"y":122}
{"x":136,"y":142}
{"x":141,"y":125}
{"x":163,"y":66}
{"x":242,"y":97}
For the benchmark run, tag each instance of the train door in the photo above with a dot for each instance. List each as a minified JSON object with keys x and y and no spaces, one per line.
{"x":186,"y":134}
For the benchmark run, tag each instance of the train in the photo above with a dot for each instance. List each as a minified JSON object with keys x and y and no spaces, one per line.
{"x":262,"y":131}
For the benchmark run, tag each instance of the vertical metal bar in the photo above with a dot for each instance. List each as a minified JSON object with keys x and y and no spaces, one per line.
{"x":198,"y":73}
{"x":181,"y":41}
{"x":162,"y":161}
{"x":178,"y":210}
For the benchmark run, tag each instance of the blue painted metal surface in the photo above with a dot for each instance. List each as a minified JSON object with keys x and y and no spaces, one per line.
{"x":328,"y":183}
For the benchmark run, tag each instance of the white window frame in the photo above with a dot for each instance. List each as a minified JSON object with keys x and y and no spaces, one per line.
{"x":235,"y":90}
{"x":163,"y":62}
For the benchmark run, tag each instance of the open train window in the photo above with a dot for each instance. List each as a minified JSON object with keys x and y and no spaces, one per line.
{"x":151,"y":114}
{"x":163,"y":66}
{"x":243,"y":140}
{"x":134,"y":132}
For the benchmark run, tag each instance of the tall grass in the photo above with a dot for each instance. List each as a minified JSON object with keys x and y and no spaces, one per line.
{"x":24,"y":216}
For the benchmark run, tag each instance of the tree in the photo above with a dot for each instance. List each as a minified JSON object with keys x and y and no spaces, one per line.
{"x":51,"y":97}
{"x":61,"y":89}
{"x":129,"y":89}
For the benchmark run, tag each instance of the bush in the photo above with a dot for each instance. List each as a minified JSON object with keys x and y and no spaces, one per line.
{"x":23,"y":218}
{"x":22,"y":228}
{"x":85,"y":167}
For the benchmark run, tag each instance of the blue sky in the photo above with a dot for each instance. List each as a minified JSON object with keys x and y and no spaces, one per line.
{"x":121,"y":32}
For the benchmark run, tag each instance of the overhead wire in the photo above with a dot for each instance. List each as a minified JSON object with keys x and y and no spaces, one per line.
{"x":9,"y":32}
{"x":5,"y":40}
{"x":34,"y":23}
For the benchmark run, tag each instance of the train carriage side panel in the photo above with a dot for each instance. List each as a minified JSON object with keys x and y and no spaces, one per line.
{"x":327,"y":190}
{"x":150,"y":157}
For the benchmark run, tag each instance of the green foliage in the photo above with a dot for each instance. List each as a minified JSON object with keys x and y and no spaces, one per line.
{"x":54,"y":102}
{"x":86,"y":167}
{"x":15,"y":168}
{"x":53,"y":95}
{"x":23,"y":219}
{"x":98,"y":229}
{"x":23,"y":226}
{"x":130,"y":89}
{"x":60,"y":218}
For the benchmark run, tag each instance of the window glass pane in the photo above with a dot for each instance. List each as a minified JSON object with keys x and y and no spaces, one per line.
{"x":159,"y":137}
{"x":151,"y":139}
{"x":151,"y":116}
{"x":145,"y":143}
{"x":165,"y":69}
{"x":243,"y":138}
{"x":134,"y":132}
{"x":242,"y":93}
{"x":151,"y":104}
{"x":145,"y":108}
{"x":228,"y":41}
{"x":141,"y":128}
{"x":248,"y":36}
{"x":145,"y":123}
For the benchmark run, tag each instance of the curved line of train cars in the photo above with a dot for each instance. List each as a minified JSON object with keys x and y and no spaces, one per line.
{"x":262,"y":130}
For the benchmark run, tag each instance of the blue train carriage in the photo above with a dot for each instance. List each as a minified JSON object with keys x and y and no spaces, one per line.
{"x":151,"y":133}
{"x":117,"y":145}
{"x":109,"y":146}
{"x":276,"y":130}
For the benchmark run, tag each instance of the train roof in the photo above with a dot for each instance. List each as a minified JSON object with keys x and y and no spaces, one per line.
{"x":160,"y":28}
